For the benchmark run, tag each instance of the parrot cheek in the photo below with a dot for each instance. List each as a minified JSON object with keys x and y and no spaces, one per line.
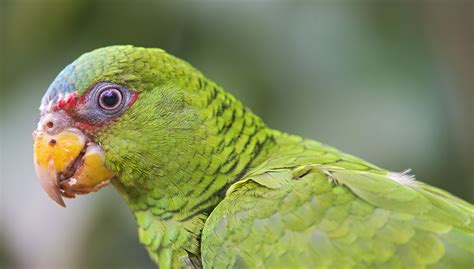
{"x":66,"y":164}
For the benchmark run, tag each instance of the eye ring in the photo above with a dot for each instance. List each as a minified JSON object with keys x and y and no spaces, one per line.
{"x":110,"y":98}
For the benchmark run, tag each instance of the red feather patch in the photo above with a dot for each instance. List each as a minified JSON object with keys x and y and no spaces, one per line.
{"x":67,"y":102}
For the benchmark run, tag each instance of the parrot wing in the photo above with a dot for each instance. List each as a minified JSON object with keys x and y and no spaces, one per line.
{"x":328,"y":216}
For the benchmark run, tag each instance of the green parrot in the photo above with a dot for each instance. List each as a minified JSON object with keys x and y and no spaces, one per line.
{"x":211,"y":186}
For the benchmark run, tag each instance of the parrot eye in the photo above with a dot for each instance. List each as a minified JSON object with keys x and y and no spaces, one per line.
{"x":105,"y":101}
{"x":110,"y":98}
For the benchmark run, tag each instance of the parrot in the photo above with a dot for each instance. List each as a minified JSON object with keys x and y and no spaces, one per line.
{"x":210,"y":185}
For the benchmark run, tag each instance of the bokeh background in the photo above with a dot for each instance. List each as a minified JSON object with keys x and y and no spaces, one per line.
{"x":389,"y":81}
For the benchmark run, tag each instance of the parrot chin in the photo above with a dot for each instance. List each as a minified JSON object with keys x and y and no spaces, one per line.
{"x":66,"y":163}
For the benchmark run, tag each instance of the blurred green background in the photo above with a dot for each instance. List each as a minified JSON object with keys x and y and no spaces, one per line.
{"x":391,"y":82}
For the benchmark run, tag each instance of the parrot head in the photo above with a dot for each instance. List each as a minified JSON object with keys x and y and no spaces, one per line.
{"x":118,"y":112}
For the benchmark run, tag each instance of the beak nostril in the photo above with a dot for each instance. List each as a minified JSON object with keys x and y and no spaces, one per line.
{"x":50,"y":124}
{"x":52,"y":142}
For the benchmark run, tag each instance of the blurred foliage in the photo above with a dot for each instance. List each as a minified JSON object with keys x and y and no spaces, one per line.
{"x":389,"y":81}
{"x":7,"y":259}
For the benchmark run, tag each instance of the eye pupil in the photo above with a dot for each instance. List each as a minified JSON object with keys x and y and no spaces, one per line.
{"x":110,"y":98}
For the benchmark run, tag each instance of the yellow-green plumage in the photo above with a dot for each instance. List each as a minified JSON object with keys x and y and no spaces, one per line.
{"x":210,"y":185}
{"x":311,"y":206}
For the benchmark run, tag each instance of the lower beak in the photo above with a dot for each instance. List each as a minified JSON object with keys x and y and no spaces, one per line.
{"x":66,"y":164}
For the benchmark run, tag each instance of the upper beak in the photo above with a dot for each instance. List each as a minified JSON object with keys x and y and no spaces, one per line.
{"x":67,"y":164}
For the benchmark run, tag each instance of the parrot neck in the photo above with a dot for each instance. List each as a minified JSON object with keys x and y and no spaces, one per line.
{"x":172,"y":210}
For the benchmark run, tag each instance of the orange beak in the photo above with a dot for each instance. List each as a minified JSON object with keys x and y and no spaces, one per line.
{"x":66,"y":164}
